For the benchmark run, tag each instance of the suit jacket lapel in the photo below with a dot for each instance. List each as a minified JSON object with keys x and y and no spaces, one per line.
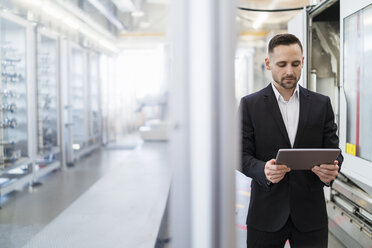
{"x":304,"y":113}
{"x":272,"y":104}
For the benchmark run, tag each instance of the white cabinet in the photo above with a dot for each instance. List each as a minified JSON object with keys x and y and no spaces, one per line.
{"x":15,"y":150}
{"x":47,"y":104}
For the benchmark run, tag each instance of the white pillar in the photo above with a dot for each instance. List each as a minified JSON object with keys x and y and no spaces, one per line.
{"x":204,"y":117}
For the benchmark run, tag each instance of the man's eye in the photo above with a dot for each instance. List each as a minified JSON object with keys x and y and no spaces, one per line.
{"x":296,"y":64}
{"x":281,"y":64}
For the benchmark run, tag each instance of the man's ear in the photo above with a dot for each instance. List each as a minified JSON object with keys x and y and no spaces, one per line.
{"x":303,"y":58}
{"x":267,"y":63}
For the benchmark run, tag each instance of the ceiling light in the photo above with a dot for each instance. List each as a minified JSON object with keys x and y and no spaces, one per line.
{"x":52,"y":11}
{"x":108,"y":45}
{"x":71,"y":23}
{"x":258,"y":23}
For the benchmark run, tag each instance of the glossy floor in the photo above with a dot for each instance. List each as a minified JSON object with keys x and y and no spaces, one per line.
{"x":114,"y":197}
{"x":113,"y":194}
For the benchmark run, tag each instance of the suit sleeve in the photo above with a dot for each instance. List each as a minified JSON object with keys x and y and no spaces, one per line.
{"x":250,"y":166}
{"x":330,"y":138}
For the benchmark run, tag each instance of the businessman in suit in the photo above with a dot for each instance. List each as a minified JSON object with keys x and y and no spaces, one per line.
{"x":285,"y":204}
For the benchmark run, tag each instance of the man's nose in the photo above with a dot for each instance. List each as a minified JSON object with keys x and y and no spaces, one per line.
{"x":289,"y":70}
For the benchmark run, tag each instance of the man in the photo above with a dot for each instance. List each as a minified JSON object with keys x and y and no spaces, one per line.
{"x":285,"y":204}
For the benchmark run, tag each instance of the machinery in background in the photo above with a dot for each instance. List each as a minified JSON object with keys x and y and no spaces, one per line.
{"x":15,"y":146}
{"x":47,"y":109}
{"x":155,"y":130}
{"x":336,"y":38}
{"x":50,"y":109}
{"x":94,"y":113}
{"x":350,"y":207}
{"x":82,"y":103}
{"x":153,"y":112}
{"x":78,"y":92}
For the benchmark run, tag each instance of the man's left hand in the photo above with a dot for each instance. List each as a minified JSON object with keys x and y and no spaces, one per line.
{"x":326,"y":172}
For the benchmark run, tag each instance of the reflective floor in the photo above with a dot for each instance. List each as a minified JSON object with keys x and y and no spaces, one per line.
{"x":25,"y":213}
{"x":113,"y":198}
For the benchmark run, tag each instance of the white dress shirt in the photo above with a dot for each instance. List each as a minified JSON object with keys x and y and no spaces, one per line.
{"x":290,"y":111}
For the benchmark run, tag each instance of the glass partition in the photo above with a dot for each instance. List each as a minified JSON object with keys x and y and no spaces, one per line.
{"x":94,"y":131}
{"x":13,"y":103}
{"x":47,"y":100}
{"x":78,"y":98}
{"x":357,"y":82}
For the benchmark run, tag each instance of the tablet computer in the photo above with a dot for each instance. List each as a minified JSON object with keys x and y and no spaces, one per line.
{"x":306,"y":159}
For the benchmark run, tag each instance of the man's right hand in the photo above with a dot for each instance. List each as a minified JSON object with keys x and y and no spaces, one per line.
{"x":275,"y":172}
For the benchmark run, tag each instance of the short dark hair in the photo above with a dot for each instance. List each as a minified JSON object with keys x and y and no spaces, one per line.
{"x":283,"y":39}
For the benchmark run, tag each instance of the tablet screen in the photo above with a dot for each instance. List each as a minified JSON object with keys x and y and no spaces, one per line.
{"x":306,"y":159}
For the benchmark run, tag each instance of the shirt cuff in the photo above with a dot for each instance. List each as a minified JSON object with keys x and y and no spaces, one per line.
{"x":268,"y":183}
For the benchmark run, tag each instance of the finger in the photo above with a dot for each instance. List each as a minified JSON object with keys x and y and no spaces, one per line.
{"x":327,"y":171}
{"x":324,"y":169}
{"x":271,"y":161}
{"x":282,"y":168}
{"x":330,"y":173}
{"x":276,"y":180}
{"x":329,"y":166}
{"x":275,"y":172}
{"x":324,"y":179}
{"x":272,"y":177}
{"x":321,"y":174}
{"x":275,"y":175}
{"x":273,"y":165}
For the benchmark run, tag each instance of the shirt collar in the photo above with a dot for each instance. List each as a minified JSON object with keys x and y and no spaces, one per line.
{"x":278,"y":96}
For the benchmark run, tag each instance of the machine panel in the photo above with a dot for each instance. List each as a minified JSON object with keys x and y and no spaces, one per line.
{"x":47,"y":104}
{"x":15,"y":166}
{"x":357,"y":86}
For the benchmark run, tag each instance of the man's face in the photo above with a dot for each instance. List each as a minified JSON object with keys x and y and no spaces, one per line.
{"x":285,"y":63}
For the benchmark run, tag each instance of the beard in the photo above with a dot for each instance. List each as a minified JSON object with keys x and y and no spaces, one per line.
{"x":288,"y":82}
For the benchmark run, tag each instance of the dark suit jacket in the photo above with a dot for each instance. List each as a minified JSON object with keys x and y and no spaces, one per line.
{"x":300,"y":193}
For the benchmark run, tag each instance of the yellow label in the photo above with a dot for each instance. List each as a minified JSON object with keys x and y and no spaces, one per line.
{"x":240,"y":206}
{"x":350,"y":149}
{"x":245,"y":193}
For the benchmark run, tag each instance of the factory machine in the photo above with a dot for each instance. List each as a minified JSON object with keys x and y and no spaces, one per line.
{"x":50,"y":102}
{"x":16,"y":167}
{"x":47,"y":104}
{"x":82,"y":102}
{"x":337,"y":37}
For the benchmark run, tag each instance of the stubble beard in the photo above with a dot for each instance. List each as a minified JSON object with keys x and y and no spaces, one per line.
{"x":290,"y":84}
